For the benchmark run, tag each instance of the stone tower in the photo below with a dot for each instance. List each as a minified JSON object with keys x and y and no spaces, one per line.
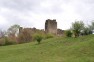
{"x":51,"y":26}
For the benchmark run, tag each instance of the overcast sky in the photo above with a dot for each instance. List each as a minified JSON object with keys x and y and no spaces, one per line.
{"x":33,"y":13}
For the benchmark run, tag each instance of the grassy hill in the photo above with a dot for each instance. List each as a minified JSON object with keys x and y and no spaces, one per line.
{"x":52,"y":50}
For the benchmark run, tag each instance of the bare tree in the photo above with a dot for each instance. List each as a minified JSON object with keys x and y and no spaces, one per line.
{"x":13,"y":30}
{"x":2,"y":33}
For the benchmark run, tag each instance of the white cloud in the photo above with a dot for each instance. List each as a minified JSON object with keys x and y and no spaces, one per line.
{"x":2,"y":20}
{"x":33,"y":13}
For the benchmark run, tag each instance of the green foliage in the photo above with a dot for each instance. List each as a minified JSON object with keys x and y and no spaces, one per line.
{"x":9,"y":41}
{"x":68,"y":33}
{"x":38,"y":38}
{"x":47,"y":36}
{"x":92,"y":24}
{"x":87,"y":31}
{"x":6,"y":41}
{"x":77,"y":26}
{"x":2,"y":41}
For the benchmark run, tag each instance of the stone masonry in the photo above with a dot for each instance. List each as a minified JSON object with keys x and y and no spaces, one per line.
{"x":51,"y":26}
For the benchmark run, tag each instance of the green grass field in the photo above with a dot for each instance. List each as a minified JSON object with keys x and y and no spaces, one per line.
{"x":52,"y":50}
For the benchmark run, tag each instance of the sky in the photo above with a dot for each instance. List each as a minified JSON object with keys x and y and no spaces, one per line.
{"x":34,"y":13}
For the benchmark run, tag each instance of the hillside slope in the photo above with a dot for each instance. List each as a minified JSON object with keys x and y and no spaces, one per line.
{"x":52,"y":50}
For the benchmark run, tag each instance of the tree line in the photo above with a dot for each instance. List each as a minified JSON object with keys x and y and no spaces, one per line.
{"x":78,"y":28}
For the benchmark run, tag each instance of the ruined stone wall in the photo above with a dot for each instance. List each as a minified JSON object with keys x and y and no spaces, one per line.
{"x":30,"y":30}
{"x":60,"y":32}
{"x":51,"y":26}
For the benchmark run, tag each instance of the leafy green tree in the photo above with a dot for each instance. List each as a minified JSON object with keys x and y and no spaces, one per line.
{"x":77,"y":26}
{"x":92,"y":25}
{"x":87,"y":31}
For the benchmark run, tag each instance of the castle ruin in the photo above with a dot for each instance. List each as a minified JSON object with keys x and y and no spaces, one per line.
{"x":51,"y":26}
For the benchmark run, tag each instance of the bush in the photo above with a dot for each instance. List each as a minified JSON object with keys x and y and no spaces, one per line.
{"x":68,"y":33}
{"x":47,"y":36}
{"x":24,"y":37}
{"x":9,"y":41}
{"x":38,"y":38}
{"x":2,"y":42}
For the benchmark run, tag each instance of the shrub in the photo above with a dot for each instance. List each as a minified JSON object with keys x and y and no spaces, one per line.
{"x":38,"y":38}
{"x":2,"y":42}
{"x":24,"y":37}
{"x":47,"y":36}
{"x":68,"y":33}
{"x":9,"y":41}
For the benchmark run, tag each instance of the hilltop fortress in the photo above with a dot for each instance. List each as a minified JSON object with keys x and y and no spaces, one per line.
{"x":50,"y":28}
